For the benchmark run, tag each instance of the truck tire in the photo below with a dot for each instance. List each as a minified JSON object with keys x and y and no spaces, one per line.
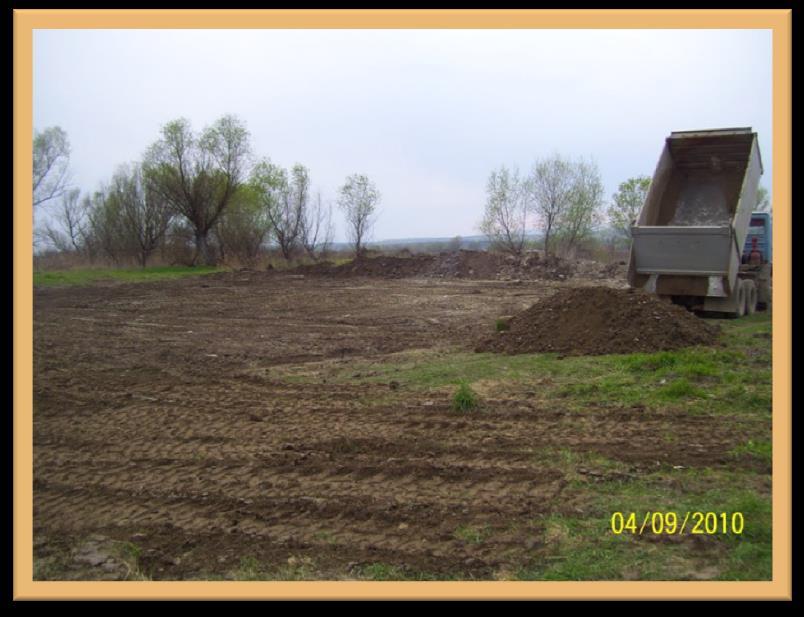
{"x":739,"y":291}
{"x":763,"y":304}
{"x":750,"y":297}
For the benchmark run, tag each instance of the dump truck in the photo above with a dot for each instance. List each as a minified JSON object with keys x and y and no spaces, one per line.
{"x":698,"y":240}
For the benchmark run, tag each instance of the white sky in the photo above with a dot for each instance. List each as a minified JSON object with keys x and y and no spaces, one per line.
{"x":427,"y":114}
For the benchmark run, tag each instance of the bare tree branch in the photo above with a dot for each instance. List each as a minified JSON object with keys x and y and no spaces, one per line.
{"x":506,"y":213}
{"x":317,"y":230}
{"x":358,"y":200}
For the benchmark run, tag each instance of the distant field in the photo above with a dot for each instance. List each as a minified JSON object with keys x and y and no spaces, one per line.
{"x":85,"y":276}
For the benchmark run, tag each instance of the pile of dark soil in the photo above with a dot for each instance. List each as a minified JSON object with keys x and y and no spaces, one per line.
{"x":385,"y":266}
{"x":448,"y":264}
{"x":601,"y":320}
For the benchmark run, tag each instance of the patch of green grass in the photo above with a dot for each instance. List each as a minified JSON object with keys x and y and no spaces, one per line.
{"x":379,"y":571}
{"x":326,"y":536}
{"x":383,"y":572}
{"x":693,"y":362}
{"x":580,"y":545}
{"x":679,"y":389}
{"x":569,"y":461}
{"x":440,"y":369}
{"x":297,"y":569}
{"x":87,"y":276}
{"x":472,"y":534}
{"x":50,"y":567}
{"x":577,"y":550}
{"x":761,"y":449}
{"x":501,"y":325}
{"x":129,"y":553}
{"x":249,"y":570}
{"x":734,"y":377}
{"x":280,"y":263}
{"x":464,"y":398}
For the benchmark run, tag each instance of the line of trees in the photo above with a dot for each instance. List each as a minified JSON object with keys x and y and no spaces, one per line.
{"x":564,"y":198}
{"x":204,"y":190}
{"x":201,"y":189}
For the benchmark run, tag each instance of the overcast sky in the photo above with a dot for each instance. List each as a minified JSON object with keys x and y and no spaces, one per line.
{"x":427,"y":114}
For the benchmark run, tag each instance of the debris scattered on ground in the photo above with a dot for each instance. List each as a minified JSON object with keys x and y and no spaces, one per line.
{"x":601,"y":320}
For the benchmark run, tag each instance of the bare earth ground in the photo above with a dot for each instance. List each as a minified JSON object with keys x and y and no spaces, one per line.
{"x":168,"y":438}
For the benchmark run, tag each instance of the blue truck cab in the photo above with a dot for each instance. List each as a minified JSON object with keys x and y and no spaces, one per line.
{"x":759,"y":228}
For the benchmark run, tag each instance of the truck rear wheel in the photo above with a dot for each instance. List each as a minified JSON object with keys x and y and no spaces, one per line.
{"x":750,"y":297}
{"x":739,"y":291}
{"x":763,"y":295}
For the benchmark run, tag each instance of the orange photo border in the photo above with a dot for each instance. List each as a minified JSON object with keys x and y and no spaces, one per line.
{"x":777,"y":20}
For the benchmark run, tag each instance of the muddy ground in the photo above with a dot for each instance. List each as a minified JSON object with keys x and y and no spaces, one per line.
{"x":163,"y":424}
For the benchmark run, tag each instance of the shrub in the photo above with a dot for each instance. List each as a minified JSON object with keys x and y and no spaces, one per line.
{"x":501,"y":325}
{"x":465,"y":399}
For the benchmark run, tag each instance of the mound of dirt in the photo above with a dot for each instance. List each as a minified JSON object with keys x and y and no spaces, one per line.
{"x":448,"y":264}
{"x":601,"y":320}
{"x":385,"y":266}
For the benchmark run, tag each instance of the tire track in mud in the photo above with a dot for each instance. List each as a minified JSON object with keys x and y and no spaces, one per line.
{"x":242,"y":428}
{"x":369,"y":480}
{"x":401,"y":509}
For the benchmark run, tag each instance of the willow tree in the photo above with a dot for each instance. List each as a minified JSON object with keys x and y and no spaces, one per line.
{"x":198,"y":175}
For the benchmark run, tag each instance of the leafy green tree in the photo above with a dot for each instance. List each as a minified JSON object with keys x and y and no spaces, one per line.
{"x":582,"y":213}
{"x":197,"y":175}
{"x":244,"y":226}
{"x":627,"y":203}
{"x":272,"y":185}
{"x":763,"y":199}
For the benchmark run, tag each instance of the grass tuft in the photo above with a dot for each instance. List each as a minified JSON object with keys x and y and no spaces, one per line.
{"x":465,"y":398}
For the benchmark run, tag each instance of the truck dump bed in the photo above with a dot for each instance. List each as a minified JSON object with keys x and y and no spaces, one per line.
{"x":690,"y":234}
